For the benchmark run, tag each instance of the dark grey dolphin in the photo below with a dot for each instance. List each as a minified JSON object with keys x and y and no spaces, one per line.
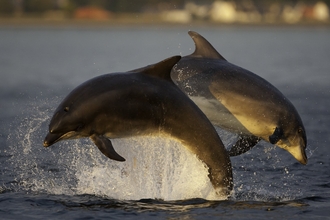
{"x":239,"y":101}
{"x":141,"y":102}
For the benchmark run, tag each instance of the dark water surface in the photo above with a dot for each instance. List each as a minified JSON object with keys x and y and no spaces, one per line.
{"x":160,"y":179}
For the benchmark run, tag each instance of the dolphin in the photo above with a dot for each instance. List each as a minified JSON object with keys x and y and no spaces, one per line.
{"x":239,"y":101}
{"x":141,"y":102}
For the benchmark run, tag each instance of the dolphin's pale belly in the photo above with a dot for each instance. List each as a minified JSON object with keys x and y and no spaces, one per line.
{"x":217,"y":113}
{"x":232,"y":118}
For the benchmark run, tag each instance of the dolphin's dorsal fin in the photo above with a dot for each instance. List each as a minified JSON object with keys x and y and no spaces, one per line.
{"x":203,"y":47}
{"x":161,"y":69}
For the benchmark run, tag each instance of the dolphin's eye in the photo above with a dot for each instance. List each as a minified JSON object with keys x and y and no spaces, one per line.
{"x":66,"y":109}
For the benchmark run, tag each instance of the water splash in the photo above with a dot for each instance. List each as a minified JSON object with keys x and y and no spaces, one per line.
{"x":155,"y":167}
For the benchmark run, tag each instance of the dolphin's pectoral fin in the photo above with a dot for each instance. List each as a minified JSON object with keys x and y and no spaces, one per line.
{"x":105,"y":146}
{"x":276,"y":136}
{"x":243,"y":144}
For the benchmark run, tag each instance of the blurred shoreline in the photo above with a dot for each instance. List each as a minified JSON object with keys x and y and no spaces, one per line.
{"x":140,"y":20}
{"x":273,"y":13}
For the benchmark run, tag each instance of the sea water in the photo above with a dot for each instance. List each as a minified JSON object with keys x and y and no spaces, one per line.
{"x":39,"y":66}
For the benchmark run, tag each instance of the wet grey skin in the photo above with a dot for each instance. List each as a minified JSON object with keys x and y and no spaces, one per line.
{"x":240,"y":101}
{"x":141,"y":102}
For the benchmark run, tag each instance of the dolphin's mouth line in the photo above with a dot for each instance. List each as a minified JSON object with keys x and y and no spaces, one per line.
{"x":53,"y":138}
{"x":299,"y":155}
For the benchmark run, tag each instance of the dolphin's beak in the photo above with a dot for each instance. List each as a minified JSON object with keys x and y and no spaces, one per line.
{"x":51,"y":139}
{"x":299,"y":153}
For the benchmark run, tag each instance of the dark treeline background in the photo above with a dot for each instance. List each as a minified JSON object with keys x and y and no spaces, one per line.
{"x":10,"y":7}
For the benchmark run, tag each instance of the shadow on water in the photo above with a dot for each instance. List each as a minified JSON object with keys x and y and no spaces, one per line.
{"x":94,"y":207}
{"x":150,"y":205}
{"x":93,"y":202}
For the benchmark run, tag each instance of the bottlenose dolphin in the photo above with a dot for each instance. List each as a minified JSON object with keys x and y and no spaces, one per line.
{"x":239,"y":101}
{"x":144,"y":101}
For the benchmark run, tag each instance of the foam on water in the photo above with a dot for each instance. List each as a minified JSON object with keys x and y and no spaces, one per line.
{"x":154,"y":168}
